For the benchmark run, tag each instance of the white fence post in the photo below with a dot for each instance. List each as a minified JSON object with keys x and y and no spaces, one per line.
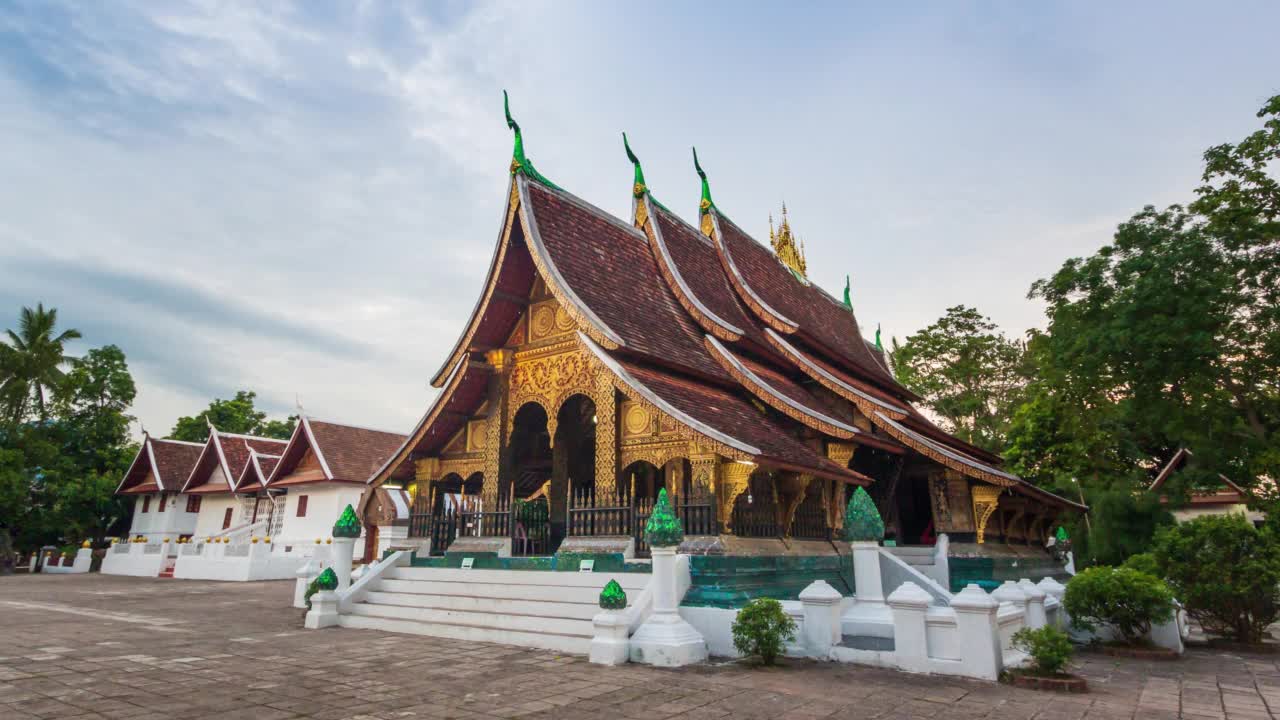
{"x":980,"y":646}
{"x":910,"y":640}
{"x":1036,"y":617}
{"x":821,"y":604}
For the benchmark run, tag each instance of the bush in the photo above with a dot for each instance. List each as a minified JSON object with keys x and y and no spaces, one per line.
{"x":762,"y":628}
{"x":1125,"y":600}
{"x":1048,"y":646}
{"x":1226,"y":572}
{"x":1144,"y":563}
{"x":1124,"y":523}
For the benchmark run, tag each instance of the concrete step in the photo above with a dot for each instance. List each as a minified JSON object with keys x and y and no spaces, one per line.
{"x":497,"y":591}
{"x":566,"y":643}
{"x":491,"y":620}
{"x":597,"y":580}
{"x":907,"y":550}
{"x":473,"y":604}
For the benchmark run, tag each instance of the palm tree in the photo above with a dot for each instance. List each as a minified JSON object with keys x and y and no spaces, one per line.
{"x":31,"y":363}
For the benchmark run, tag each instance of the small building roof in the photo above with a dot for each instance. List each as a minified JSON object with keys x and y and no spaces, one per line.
{"x":346,"y":453}
{"x":160,"y":466}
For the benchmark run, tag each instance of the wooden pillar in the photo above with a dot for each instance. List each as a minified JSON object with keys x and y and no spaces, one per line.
{"x":790,"y":489}
{"x":426,"y":473}
{"x":606,"y":400}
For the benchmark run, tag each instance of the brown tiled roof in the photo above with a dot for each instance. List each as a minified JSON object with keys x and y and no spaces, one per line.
{"x":231,"y":448}
{"x":820,"y":317}
{"x":347,"y":453}
{"x":173,"y":462}
{"x":609,"y":266}
{"x":251,"y":480}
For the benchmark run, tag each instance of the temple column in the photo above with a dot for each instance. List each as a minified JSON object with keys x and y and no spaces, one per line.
{"x":606,"y":401}
{"x":426,"y":472}
{"x":495,"y":445}
{"x":735,"y":477}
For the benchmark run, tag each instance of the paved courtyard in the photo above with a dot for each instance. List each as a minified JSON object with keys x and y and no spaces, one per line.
{"x":93,"y":646}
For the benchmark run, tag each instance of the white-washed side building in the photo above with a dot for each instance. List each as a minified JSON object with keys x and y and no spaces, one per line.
{"x":162,"y":513}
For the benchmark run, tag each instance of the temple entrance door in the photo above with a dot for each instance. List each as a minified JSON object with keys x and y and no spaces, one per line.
{"x":528,"y":493}
{"x":915,"y":513}
{"x":573,"y":461}
{"x":638,"y":488}
{"x":370,"y":544}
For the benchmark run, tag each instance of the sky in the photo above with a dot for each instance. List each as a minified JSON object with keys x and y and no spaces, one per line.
{"x":301,"y":198}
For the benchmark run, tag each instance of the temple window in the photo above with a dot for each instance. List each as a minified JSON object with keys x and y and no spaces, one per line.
{"x":302,"y":506}
{"x":193,"y":503}
{"x":146,"y":504}
{"x":226,"y":519}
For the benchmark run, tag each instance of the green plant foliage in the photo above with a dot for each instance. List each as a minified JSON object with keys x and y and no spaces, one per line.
{"x":1144,"y":563}
{"x":663,"y":528}
{"x":862,"y":522}
{"x":1049,"y":647}
{"x":762,"y":629}
{"x":613,"y":597}
{"x":237,"y":415}
{"x":1225,"y":571}
{"x":1124,"y":522}
{"x":348,"y":525}
{"x":1125,"y":600}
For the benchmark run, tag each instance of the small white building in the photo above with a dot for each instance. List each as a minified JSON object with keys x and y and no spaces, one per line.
{"x":1228,"y":498}
{"x":162,"y":513}
{"x":326,"y":467}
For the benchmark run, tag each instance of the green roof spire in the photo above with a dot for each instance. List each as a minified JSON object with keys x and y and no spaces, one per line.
{"x":707,"y":203}
{"x":638,"y":189}
{"x":848,"y":301}
{"x":520,"y":163}
{"x":878,"y":345}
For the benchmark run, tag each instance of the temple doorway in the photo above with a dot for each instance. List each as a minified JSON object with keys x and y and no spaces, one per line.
{"x":527,"y":494}
{"x":915,"y":513}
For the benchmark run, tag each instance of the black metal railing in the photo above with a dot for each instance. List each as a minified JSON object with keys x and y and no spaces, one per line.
{"x":755,"y":519}
{"x":594,"y":516}
{"x":444,"y":530}
{"x":810,"y":521}
{"x":530,"y":526}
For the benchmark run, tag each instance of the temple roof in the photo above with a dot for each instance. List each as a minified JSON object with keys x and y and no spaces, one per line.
{"x":228,"y":452}
{"x":254,"y":476}
{"x":166,"y":462}
{"x":346,"y":453}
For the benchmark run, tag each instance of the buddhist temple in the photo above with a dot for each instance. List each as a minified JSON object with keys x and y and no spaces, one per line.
{"x":608,"y":358}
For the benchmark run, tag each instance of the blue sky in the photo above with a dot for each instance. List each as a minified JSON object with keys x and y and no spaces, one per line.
{"x":301,"y":198}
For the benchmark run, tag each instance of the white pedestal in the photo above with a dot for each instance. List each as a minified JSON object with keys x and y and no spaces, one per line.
{"x":980,"y":647}
{"x":1036,"y":616}
{"x":324,"y":610}
{"x":305,"y":574}
{"x":868,"y":616}
{"x":665,"y":639}
{"x":821,"y":604}
{"x":343,"y":548}
{"x":609,"y":645}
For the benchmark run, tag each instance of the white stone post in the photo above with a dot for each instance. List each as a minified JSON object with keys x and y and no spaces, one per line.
{"x":665,"y":639}
{"x":389,"y":535}
{"x":609,"y":644}
{"x":909,"y":604}
{"x":1056,"y":590}
{"x":866,"y":572}
{"x":83,"y":561}
{"x":821,"y":604}
{"x":343,"y":551}
{"x":305,"y":574}
{"x":1036,"y":617}
{"x":1009,"y":592}
{"x":980,"y":646}
{"x":324,"y":610}
{"x":868,"y":615}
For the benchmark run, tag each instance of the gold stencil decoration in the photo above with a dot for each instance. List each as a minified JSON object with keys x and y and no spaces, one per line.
{"x":785,"y":245}
{"x":636,"y":421}
{"x":986,"y":498}
{"x":544,"y":321}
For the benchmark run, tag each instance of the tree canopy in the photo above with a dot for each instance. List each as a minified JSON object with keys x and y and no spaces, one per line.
{"x":237,"y":415}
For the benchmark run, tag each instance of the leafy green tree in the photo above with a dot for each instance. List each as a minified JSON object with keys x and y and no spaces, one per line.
{"x":32,"y":362}
{"x":237,"y":415}
{"x":15,"y":501}
{"x":968,"y":372}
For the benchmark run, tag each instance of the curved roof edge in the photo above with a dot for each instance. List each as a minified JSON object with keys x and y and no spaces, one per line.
{"x":772,"y":318}
{"x":865,"y":401}
{"x":761,"y":388}
{"x":707,"y":318}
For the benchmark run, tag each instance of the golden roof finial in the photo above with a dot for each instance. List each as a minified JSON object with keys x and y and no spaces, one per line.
{"x":786,"y":246}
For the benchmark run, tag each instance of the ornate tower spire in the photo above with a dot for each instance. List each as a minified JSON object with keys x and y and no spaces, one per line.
{"x":638,"y":188}
{"x":520,"y":163}
{"x":787,"y":247}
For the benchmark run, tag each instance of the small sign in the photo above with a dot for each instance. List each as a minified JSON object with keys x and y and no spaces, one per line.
{"x":586,"y":565}
{"x":467,"y":562}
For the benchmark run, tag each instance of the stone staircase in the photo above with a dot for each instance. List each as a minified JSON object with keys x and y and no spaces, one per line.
{"x":529,"y":608}
{"x":920,"y":556}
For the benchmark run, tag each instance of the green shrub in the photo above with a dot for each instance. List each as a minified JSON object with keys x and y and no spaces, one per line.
{"x":1144,"y":563}
{"x":1226,"y":572}
{"x":1125,"y":600}
{"x":1048,"y":646}
{"x":762,"y":628}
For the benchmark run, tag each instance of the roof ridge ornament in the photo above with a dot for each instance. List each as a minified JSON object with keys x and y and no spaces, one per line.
{"x":878,"y":345}
{"x":520,"y":163}
{"x":705,"y":205}
{"x":848,"y":299}
{"x":638,"y":187}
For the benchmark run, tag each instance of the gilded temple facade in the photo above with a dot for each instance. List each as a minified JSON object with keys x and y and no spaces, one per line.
{"x":609,"y":358}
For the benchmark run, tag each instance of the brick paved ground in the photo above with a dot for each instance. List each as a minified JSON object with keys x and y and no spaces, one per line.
{"x":92,"y":646}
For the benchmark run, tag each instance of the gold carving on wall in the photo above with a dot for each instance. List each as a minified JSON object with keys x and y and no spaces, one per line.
{"x":549,"y":380}
{"x":791,"y":489}
{"x":986,"y":499}
{"x":636,"y":421}
{"x":606,"y":440}
{"x":656,"y":454}
{"x":940,"y":502}
{"x":476,"y":436}
{"x":735,"y":478}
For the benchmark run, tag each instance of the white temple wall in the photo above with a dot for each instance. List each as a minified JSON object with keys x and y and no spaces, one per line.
{"x":325,"y":502}
{"x":213,"y":509}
